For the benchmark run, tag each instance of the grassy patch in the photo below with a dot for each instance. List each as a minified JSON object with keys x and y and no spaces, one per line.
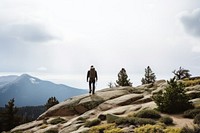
{"x":105,"y":128}
{"x":149,"y":129}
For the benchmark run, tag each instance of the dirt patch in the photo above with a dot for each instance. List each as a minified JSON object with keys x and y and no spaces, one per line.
{"x":181,"y":122}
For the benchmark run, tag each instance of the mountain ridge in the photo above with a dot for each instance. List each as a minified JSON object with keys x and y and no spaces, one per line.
{"x":31,"y":91}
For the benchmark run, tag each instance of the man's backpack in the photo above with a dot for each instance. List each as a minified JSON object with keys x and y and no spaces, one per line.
{"x":92,"y":74}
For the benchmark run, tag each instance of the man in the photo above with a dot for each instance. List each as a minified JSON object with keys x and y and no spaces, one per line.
{"x":92,"y":78}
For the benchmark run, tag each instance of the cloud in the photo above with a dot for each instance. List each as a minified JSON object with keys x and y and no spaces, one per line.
{"x":27,"y":32}
{"x":191,"y":22}
{"x":42,"y":68}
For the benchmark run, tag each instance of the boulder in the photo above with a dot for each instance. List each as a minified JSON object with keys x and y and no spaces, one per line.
{"x":193,"y":88}
{"x":73,"y":106}
{"x":193,"y":94}
{"x":27,"y":126}
{"x":71,"y":128}
{"x":124,"y":100}
{"x":65,"y":108}
{"x":47,"y":129}
{"x":122,"y":110}
{"x":81,"y":130}
{"x":145,"y":99}
{"x":107,"y":95}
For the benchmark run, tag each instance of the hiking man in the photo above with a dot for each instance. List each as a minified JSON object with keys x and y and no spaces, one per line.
{"x":92,"y":78}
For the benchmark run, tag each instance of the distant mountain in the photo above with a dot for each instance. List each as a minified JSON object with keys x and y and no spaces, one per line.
{"x":31,"y":91}
{"x":7,"y":79}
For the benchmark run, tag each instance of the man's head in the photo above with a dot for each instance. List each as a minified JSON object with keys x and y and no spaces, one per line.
{"x":92,"y":67}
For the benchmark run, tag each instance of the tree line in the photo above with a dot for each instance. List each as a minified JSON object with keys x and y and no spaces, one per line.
{"x":149,"y":77}
{"x":173,"y":99}
{"x":12,"y":116}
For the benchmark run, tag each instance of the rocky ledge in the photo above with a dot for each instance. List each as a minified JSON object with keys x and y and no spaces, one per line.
{"x":67,"y":116}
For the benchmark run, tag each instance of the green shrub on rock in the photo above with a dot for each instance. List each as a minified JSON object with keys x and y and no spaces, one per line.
{"x":134,"y":121}
{"x":148,"y":114}
{"x":111,"y":118}
{"x":166,"y":120}
{"x":173,"y":99}
{"x":141,"y":121}
{"x":57,"y":120}
{"x":121,"y":121}
{"x":92,"y":123}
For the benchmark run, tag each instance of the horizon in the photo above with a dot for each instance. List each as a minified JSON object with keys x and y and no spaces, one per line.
{"x":79,"y":81}
{"x":59,"y":40}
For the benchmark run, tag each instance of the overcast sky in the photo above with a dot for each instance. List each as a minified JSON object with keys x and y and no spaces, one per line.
{"x":58,"y":40}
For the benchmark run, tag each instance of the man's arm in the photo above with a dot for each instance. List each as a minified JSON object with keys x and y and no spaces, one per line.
{"x":88,"y":73}
{"x":96,"y":75}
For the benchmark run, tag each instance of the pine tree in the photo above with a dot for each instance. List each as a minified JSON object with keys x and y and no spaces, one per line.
{"x":123,"y":78}
{"x":149,"y":76}
{"x":181,"y":73}
{"x":9,"y":116}
{"x":173,"y":99}
{"x":51,"y":102}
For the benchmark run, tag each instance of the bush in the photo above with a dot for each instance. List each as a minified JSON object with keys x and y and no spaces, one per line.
{"x":197,"y":119}
{"x":173,"y":99}
{"x":166,"y":120}
{"x":111,"y":118}
{"x":149,"y":129}
{"x":134,"y":121}
{"x":115,"y":130}
{"x":82,"y":119}
{"x":57,"y":120}
{"x":195,"y":129}
{"x":105,"y":128}
{"x":191,"y":113}
{"x":148,"y":114}
{"x":142,"y":121}
{"x":121,"y":121}
{"x":172,"y":130}
{"x":92,"y":123}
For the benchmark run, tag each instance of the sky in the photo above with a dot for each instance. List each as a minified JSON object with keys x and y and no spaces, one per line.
{"x":58,"y":40}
